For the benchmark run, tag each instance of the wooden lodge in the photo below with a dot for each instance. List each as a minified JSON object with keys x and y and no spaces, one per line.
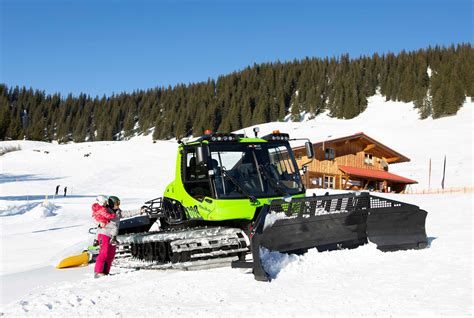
{"x":356,"y":162}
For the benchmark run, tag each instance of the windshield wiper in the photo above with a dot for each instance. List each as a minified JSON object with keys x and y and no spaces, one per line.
{"x":275,"y":185}
{"x":240,"y":188}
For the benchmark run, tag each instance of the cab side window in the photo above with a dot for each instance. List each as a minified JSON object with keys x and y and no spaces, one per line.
{"x":195,"y":177}
{"x":194,"y":172}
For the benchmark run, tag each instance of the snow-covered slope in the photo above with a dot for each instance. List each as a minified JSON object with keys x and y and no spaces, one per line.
{"x":397,"y":125}
{"x":38,"y":229}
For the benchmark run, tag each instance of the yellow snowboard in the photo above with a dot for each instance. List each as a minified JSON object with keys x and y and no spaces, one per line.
{"x":74,"y":261}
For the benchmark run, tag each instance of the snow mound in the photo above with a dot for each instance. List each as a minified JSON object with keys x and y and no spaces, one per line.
{"x":272,"y":217}
{"x":7,"y":210}
{"x":25,"y":144}
{"x":27,"y":212}
{"x":274,"y":262}
{"x":43,"y":210}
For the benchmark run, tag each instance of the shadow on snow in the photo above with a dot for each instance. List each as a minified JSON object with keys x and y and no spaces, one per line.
{"x":8,"y":178}
{"x":18,"y":210}
{"x":35,"y":197}
{"x":430,"y":240}
{"x":56,"y":228}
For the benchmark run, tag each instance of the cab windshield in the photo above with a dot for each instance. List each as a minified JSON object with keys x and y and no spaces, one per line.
{"x":262,"y":170}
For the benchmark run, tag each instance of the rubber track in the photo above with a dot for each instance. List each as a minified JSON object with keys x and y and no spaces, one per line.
{"x":199,"y":248}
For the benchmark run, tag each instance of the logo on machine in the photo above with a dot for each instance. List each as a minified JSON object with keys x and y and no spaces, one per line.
{"x":192,"y":212}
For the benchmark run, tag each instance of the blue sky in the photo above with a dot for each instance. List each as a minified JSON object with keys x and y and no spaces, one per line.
{"x":105,"y":47}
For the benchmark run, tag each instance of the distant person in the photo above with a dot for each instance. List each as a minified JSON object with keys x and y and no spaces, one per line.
{"x":65,"y":191}
{"x":57,"y":189}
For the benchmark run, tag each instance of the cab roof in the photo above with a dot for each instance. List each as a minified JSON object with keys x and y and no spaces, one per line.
{"x":232,"y":138}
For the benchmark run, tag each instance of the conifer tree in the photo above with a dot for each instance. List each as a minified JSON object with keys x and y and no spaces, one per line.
{"x":259,"y":93}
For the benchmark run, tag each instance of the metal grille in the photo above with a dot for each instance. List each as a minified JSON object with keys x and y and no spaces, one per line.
{"x":318,"y":205}
{"x":377,"y":203}
{"x":341,"y":203}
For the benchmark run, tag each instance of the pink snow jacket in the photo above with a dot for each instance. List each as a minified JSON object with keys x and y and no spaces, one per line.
{"x":111,"y":229}
{"x":101,"y":214}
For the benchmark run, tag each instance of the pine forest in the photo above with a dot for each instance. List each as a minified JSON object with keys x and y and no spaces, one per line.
{"x":436,"y":79}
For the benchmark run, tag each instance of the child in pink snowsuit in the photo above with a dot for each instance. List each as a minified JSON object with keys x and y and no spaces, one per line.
{"x":103,"y":215}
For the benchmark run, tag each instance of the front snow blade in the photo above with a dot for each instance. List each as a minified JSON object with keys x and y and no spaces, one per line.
{"x":333,"y":222}
{"x":396,"y":225}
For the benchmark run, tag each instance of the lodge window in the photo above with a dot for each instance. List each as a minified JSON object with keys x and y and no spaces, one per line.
{"x":329,"y":154}
{"x":318,"y":181}
{"x":329,"y":182}
{"x":368,"y":159}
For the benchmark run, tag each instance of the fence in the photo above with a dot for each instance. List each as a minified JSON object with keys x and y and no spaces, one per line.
{"x":446,"y":190}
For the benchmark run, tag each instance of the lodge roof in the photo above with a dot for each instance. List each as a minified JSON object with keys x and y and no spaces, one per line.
{"x":373,"y":146}
{"x":375,"y":174}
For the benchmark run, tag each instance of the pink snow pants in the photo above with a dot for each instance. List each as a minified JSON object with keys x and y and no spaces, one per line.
{"x":106,"y":255}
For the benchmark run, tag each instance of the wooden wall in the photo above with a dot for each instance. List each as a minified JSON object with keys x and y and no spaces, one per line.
{"x":346,"y":154}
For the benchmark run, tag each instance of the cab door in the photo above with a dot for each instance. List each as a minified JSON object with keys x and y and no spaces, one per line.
{"x":195,"y":177}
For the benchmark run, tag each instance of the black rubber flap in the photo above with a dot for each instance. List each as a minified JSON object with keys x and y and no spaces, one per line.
{"x":299,"y":234}
{"x":395,"y":225}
